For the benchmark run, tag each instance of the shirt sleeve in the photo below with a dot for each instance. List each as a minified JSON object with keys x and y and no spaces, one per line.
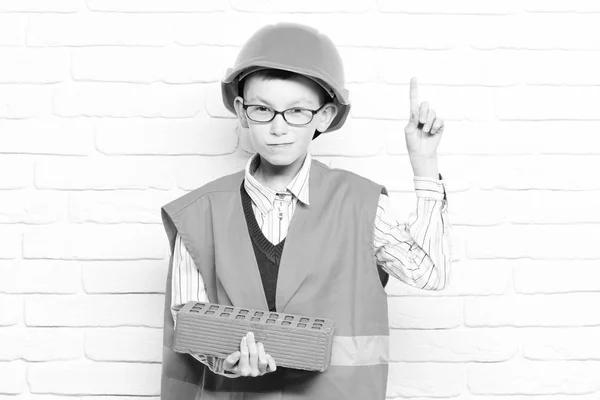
{"x":188,"y":285}
{"x":418,"y":252}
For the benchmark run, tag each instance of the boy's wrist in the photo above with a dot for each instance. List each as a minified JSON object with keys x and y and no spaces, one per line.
{"x":425,"y":167}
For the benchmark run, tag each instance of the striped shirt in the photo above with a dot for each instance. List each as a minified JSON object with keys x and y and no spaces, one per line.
{"x":416,"y":253}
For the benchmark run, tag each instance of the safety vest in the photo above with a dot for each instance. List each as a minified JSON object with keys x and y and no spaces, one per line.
{"x":328,"y":269}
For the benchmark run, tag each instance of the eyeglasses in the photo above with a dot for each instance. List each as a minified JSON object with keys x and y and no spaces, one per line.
{"x":296,"y":116}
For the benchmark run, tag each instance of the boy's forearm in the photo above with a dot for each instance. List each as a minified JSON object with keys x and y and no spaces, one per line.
{"x":425,"y":167}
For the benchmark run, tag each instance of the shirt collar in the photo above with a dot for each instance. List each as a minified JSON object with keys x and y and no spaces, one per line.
{"x":264,"y":197}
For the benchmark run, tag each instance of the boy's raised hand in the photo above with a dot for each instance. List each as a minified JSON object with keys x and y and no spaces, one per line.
{"x":250,"y":360}
{"x":424,"y":129}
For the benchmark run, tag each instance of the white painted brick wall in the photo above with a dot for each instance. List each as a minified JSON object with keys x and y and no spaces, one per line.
{"x":110,"y":109}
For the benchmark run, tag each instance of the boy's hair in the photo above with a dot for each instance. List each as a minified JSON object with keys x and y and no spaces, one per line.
{"x":268,"y":74}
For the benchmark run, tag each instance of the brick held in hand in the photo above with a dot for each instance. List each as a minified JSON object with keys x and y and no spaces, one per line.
{"x":294,"y":341}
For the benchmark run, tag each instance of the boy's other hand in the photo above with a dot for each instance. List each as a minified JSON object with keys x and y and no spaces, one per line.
{"x":424,"y":129}
{"x":250,"y":360}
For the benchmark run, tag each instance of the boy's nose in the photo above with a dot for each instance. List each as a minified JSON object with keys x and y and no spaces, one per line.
{"x":279,"y":126}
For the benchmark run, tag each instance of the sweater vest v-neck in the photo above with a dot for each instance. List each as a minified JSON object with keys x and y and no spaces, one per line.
{"x":268,"y":255}
{"x":327,"y":269}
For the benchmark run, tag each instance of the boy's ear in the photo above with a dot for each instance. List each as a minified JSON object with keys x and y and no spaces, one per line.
{"x":238,"y":103}
{"x":328,"y":114}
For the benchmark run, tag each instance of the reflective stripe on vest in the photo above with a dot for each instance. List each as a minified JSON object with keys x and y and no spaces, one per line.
{"x":354,"y":351}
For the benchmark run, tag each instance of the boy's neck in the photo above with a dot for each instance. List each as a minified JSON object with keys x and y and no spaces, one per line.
{"x":277,"y":177}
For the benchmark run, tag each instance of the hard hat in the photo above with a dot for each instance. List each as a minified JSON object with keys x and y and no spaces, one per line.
{"x":295,"y":48}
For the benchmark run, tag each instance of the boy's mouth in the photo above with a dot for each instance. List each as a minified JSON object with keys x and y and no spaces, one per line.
{"x":279,"y":144}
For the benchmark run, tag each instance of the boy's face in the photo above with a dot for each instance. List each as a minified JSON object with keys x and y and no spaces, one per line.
{"x":277,"y":142}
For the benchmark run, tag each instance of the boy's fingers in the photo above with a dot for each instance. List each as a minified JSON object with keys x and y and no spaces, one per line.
{"x":231,"y":360}
{"x":271,"y":362}
{"x":253,"y":354}
{"x":429,"y":123}
{"x":423,"y":110}
{"x":262,"y":359}
{"x":437,"y":124}
{"x":244,"y":365}
{"x":414,"y":97}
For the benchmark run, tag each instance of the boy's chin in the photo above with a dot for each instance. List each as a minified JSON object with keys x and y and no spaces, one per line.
{"x":279,"y":160}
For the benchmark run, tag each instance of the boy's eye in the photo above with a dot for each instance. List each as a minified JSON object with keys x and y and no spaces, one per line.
{"x":297,"y":110}
{"x":262,"y":108}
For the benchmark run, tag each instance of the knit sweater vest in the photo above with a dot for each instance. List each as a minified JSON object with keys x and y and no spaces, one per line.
{"x":267,"y":254}
{"x":327,"y":269}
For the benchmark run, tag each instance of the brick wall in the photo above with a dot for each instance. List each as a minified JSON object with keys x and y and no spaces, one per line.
{"x":110,"y":109}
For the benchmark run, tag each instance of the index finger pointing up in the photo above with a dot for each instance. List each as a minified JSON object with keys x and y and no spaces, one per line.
{"x":414,"y":96}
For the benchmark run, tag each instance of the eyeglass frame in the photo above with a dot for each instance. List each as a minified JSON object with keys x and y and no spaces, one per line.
{"x":276,"y":112}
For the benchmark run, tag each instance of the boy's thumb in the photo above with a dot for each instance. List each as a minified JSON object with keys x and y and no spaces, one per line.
{"x":231,"y":360}
{"x":411,"y":128}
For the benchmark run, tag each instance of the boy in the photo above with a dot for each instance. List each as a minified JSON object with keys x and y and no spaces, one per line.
{"x":234,"y":240}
